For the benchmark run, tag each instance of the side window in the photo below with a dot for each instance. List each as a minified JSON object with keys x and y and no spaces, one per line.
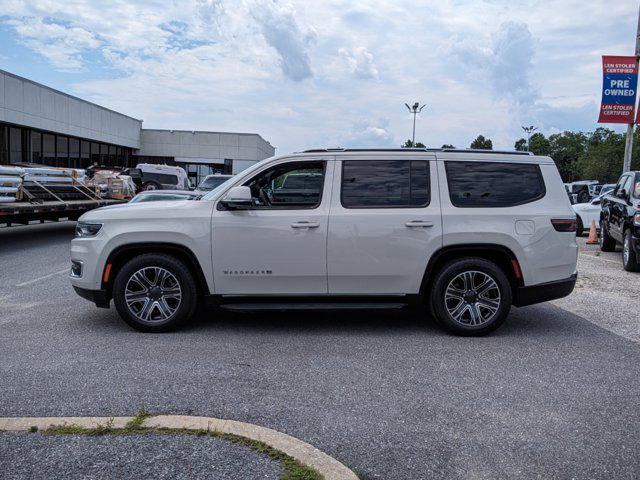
{"x":636,"y":186}
{"x":620,"y":184}
{"x":290,"y":185}
{"x":493,"y":184}
{"x":162,"y":178}
{"x":385,"y":183}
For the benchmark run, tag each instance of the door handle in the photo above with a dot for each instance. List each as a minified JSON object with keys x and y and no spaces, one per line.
{"x":305,"y":225}
{"x":418,"y":224}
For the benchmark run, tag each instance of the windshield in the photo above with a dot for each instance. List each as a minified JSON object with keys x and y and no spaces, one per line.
{"x":210,"y":183}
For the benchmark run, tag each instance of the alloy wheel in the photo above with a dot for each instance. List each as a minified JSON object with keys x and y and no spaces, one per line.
{"x":153,"y":294}
{"x":472,"y":298}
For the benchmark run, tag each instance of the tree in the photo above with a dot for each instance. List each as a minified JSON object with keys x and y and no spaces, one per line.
{"x":603,"y":157}
{"x":409,"y":144}
{"x":539,"y":145}
{"x":566,"y":148}
{"x":521,"y":144}
{"x":448,"y":145}
{"x":482,"y":143}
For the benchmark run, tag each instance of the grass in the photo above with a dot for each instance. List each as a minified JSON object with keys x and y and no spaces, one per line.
{"x":292,"y":468}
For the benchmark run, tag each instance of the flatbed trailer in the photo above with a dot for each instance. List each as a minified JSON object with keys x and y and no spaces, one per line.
{"x":23,"y":213}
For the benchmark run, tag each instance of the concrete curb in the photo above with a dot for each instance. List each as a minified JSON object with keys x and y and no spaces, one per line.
{"x":327,"y":466}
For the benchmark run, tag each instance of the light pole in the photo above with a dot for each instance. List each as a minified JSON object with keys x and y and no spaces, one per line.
{"x":415,"y":109}
{"x":529,"y":131}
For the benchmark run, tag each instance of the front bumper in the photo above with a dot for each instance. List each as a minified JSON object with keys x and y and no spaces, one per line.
{"x":100,"y":297}
{"x":544,"y":292}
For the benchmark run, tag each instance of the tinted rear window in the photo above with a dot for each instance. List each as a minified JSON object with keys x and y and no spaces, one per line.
{"x":493,"y":184}
{"x":385,"y":183}
{"x":162,"y":178}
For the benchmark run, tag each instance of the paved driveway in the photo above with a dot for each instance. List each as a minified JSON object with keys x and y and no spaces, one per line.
{"x":549,"y":395}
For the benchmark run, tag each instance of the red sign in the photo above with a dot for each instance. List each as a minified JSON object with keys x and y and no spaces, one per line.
{"x":620,"y":79}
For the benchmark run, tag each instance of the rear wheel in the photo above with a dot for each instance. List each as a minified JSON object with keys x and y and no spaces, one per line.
{"x":471,"y":296}
{"x":629,"y":257}
{"x":148,"y":186}
{"x":154,"y":293}
{"x":607,"y":244}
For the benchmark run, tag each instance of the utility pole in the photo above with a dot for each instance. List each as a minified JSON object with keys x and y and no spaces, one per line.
{"x":415,"y":109}
{"x":628,"y":145}
{"x":529,"y":131}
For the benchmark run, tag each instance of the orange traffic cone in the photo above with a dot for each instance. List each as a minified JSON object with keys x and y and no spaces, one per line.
{"x":593,"y":236}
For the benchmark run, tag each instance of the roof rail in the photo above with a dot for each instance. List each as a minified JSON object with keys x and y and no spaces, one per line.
{"x":452,"y":150}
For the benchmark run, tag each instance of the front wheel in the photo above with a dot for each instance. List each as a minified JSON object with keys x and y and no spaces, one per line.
{"x":607,"y":243}
{"x":629,"y":257}
{"x":155,"y":293}
{"x":471,"y":296}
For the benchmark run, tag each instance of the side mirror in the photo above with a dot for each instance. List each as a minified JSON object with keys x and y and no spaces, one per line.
{"x":238,"y":198}
{"x":622,"y":193}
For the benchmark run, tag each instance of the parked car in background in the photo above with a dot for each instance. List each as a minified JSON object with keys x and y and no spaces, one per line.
{"x":464,"y":234}
{"x":584,"y":190}
{"x":620,"y":220}
{"x":163,"y":195}
{"x":607,"y":187}
{"x":149,"y":176}
{"x":586,"y":213}
{"x":212,"y":181}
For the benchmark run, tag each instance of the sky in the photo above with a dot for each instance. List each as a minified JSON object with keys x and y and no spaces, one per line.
{"x":329,"y":73}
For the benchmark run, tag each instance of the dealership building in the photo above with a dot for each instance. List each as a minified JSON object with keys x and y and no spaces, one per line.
{"x":45,"y":126}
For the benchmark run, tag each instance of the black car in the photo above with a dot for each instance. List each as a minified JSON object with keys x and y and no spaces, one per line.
{"x":620,"y":220}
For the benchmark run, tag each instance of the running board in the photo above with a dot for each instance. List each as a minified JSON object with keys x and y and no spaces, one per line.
{"x":312,"y":306}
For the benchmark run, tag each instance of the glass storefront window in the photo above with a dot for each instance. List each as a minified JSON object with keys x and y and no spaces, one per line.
{"x":62,"y":151}
{"x":95,"y":153}
{"x":85,"y":154}
{"x":15,"y":145}
{"x":74,"y":152}
{"x":48,"y":149}
{"x":36,"y":147}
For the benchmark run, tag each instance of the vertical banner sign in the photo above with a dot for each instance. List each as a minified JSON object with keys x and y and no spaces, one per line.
{"x":618,"y":89}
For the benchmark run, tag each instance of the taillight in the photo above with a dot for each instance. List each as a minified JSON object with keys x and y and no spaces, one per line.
{"x":564,"y":224}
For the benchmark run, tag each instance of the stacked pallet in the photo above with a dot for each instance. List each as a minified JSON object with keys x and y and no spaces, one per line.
{"x":10,"y":183}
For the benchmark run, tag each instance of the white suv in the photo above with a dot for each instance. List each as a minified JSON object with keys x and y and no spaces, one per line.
{"x":465,"y":233}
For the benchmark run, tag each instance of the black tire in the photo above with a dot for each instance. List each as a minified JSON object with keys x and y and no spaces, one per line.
{"x":151,"y":185}
{"x":607,"y":243}
{"x":181,"y":310}
{"x":583,"y":196}
{"x":449,"y":274}
{"x":579,"y":227}
{"x":629,"y":257}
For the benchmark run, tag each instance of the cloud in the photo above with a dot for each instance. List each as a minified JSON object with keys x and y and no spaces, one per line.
{"x":281,"y":30}
{"x":62,"y":45}
{"x":506,"y":63}
{"x":367,"y":133}
{"x":360,"y":62}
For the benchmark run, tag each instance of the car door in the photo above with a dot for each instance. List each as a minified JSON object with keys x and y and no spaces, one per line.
{"x":618,"y":207}
{"x":384,"y":224}
{"x":275,"y":247}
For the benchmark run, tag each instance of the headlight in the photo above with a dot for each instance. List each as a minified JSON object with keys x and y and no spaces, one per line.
{"x":87,"y":229}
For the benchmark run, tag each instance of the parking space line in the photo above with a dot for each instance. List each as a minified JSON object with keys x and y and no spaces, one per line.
{"x":44,"y":277}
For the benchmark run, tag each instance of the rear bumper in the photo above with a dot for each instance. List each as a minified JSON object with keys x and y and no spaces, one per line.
{"x":100,"y":297}
{"x":544,"y":292}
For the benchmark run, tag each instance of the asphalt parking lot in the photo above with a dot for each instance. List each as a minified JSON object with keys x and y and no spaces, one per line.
{"x":552,"y":394}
